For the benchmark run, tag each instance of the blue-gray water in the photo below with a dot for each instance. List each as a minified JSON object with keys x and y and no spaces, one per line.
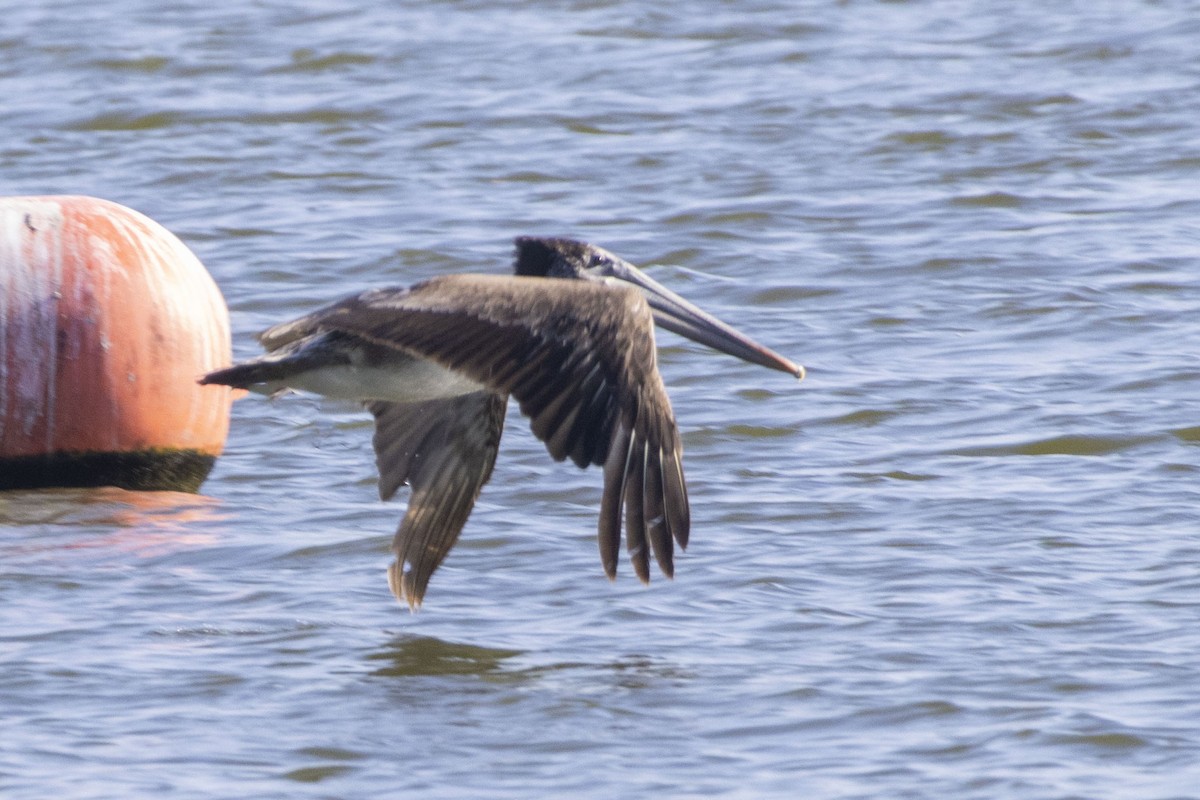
{"x":961,"y":560}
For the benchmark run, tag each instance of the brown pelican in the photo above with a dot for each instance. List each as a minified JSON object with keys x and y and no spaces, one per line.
{"x":436,"y":362}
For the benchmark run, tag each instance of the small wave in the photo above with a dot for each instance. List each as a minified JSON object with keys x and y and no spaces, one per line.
{"x":1065,"y":445}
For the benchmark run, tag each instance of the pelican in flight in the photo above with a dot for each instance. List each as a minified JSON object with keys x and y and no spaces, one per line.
{"x":570,"y":336}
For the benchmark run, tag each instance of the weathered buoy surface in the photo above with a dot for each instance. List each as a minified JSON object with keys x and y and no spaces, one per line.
{"x":106,"y":321}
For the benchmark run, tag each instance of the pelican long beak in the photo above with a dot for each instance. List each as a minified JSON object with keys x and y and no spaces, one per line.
{"x":679,"y":316}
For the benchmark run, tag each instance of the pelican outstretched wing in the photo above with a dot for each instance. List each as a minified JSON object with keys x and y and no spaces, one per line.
{"x":445,"y":450}
{"x":580,"y":360}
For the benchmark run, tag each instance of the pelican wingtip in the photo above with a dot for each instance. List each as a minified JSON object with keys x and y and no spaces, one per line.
{"x":396,"y":583}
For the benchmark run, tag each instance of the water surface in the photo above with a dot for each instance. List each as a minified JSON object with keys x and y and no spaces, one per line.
{"x":959,"y":560}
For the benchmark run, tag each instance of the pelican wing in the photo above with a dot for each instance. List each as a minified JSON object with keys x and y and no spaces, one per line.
{"x":445,"y":450}
{"x":580,"y":359}
{"x":285,"y":333}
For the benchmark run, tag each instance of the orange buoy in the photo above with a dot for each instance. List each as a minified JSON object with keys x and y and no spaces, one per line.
{"x":106,"y":322}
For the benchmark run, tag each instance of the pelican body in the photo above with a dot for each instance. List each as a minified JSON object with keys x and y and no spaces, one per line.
{"x":570,"y":336}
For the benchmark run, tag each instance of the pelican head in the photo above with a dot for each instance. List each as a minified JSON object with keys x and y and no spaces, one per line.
{"x":570,"y":259}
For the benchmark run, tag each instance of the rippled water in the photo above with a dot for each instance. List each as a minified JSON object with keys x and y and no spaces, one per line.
{"x":960,"y":560}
